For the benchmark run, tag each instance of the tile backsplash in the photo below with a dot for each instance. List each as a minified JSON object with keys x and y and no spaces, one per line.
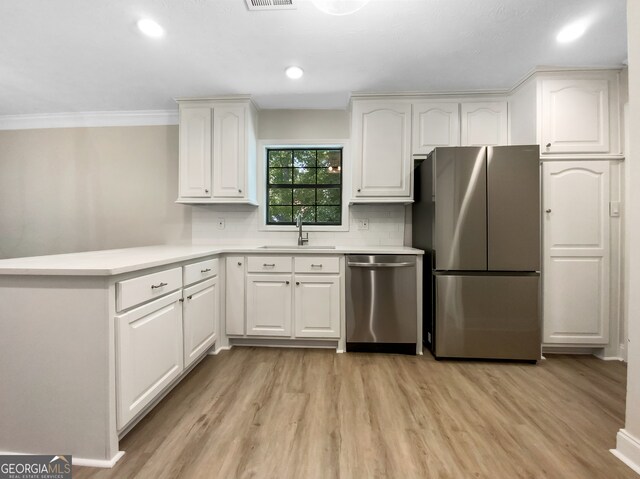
{"x":241,"y":226}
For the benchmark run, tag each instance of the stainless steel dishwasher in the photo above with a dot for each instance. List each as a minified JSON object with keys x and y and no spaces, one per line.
{"x":381,"y":303}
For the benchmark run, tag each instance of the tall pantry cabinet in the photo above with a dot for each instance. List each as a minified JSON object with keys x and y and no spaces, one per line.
{"x":575,"y":117}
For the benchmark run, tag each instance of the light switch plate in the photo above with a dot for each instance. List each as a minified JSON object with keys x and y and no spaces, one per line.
{"x":614,"y":209}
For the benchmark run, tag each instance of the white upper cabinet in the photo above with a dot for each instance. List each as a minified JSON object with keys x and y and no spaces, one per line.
{"x":570,"y":114}
{"x":382,"y":165}
{"x":434,"y":124}
{"x":230,"y":151}
{"x":484,"y":124}
{"x":575,"y":116}
{"x":195,"y":152}
{"x":217,"y":151}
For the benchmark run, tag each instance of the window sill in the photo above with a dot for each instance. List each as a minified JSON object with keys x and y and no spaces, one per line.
{"x":305,"y":228}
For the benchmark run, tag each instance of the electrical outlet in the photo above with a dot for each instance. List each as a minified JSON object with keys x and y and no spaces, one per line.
{"x":363,"y":224}
{"x":220,"y":223}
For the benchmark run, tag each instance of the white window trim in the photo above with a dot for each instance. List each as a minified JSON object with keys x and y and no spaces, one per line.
{"x":262,"y":179}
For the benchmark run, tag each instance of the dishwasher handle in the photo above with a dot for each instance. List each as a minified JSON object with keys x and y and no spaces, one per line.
{"x":380,"y":265}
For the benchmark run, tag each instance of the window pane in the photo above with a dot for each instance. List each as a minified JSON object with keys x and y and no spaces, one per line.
{"x":304,"y":196}
{"x":329,"y":196}
{"x":326,"y":177}
{"x":308,"y":213}
{"x":279,"y":214}
{"x":280,"y":157}
{"x":304,"y":176}
{"x":328,"y":158}
{"x":329,"y":214}
{"x":304,"y":158}
{"x":280,"y":176}
{"x":280,"y":196}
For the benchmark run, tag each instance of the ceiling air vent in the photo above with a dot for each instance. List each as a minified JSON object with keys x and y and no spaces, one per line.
{"x":271,"y":4}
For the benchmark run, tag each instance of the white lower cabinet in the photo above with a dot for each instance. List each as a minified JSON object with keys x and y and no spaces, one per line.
{"x":149,"y":353}
{"x":201,"y":306}
{"x":317,"y":306}
{"x":576,"y":251}
{"x":302,"y":300}
{"x":269,"y":305}
{"x":234,"y":295}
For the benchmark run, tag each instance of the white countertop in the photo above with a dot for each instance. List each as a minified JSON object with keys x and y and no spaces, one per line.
{"x":118,"y":261}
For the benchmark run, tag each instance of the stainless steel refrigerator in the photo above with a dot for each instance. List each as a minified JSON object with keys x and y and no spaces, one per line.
{"x":477,"y":215}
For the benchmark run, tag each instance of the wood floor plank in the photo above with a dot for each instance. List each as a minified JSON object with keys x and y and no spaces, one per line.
{"x":293,"y":413}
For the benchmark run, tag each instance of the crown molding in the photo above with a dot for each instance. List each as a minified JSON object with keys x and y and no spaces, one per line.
{"x":89,"y":119}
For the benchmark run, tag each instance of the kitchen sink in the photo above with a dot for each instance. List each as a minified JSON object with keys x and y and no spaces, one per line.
{"x":296,"y":247}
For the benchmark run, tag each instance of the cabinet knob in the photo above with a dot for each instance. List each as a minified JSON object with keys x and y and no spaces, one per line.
{"x":286,"y":282}
{"x":548,"y":145}
{"x":206,"y":191}
{"x":239,"y":191}
{"x":548,"y":210}
{"x":358,"y":190}
{"x":297,"y":283}
{"x":239,"y":263}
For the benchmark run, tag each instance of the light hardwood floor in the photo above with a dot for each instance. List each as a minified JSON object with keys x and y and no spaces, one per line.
{"x":293,"y":413}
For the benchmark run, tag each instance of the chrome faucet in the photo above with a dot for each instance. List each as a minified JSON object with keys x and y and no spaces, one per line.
{"x":301,"y":239}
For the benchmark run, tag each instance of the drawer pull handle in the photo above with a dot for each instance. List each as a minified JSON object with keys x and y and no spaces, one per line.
{"x":316,"y":265}
{"x":155,"y":286}
{"x":190,"y":296}
{"x":205,"y":270}
{"x":269,"y":265}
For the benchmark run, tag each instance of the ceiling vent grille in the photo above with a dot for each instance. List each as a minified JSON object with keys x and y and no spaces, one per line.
{"x":271,"y":4}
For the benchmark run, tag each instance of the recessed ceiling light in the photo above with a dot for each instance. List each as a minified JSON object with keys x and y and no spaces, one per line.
{"x":294,"y":72}
{"x":339,"y":7}
{"x":572,"y":32}
{"x":150,"y":28}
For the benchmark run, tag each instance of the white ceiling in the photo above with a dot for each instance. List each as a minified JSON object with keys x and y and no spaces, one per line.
{"x":87,"y":55}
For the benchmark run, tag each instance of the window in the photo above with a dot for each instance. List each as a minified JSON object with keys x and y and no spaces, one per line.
{"x":307,"y":181}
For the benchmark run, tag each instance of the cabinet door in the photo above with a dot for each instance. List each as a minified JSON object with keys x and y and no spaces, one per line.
{"x":575,"y":116}
{"x":317,"y":306}
{"x":576,"y":252}
{"x":195,"y":152}
{"x":434,"y":124}
{"x":382,"y":136}
{"x":234,"y":295}
{"x":229,"y":151}
{"x":148,"y":354}
{"x":269,"y":305}
{"x":200,"y":318}
{"x":484,"y":124}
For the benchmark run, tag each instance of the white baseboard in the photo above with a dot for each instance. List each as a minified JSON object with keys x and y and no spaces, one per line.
{"x":628,"y":450}
{"x":78,"y":461}
{"x":213,"y":352}
{"x":106,"y":463}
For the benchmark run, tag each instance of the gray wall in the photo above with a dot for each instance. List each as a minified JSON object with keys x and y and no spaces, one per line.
{"x":78,"y":189}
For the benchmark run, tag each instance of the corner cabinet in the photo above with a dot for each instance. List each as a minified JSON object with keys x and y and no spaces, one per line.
{"x":382,"y":163}
{"x":217,"y":152}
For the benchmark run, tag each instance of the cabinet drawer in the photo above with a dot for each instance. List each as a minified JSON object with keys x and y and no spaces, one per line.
{"x":138,"y":290}
{"x":317,"y":264}
{"x":269,"y":264}
{"x":199,"y":271}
